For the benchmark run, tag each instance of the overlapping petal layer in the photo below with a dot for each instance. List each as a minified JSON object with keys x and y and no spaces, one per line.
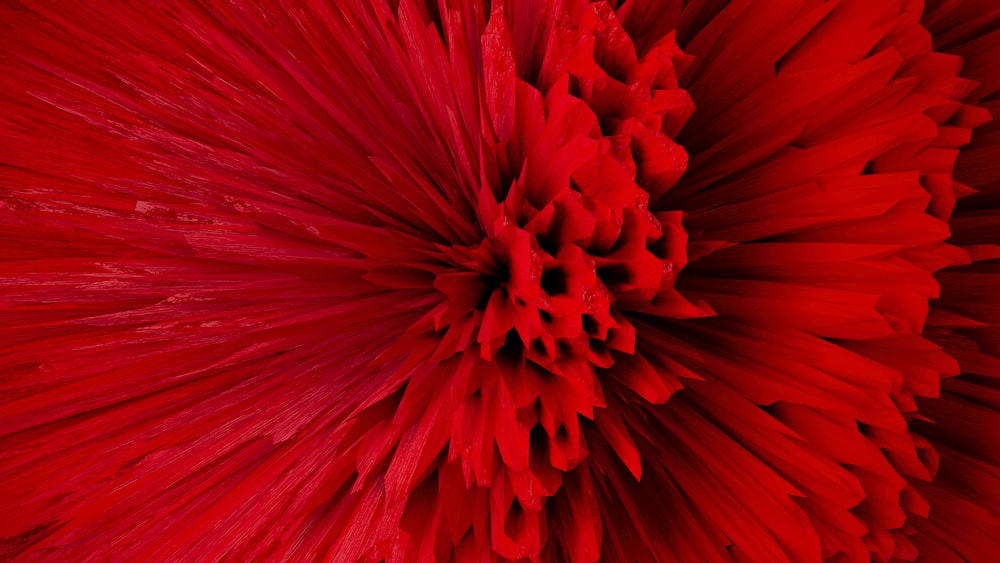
{"x":839,"y":107}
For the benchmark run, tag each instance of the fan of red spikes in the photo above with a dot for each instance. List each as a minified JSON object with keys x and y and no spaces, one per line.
{"x":511,"y":280}
{"x":539,"y":278}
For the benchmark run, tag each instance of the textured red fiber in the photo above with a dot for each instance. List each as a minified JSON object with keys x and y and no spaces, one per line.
{"x":500,"y":280}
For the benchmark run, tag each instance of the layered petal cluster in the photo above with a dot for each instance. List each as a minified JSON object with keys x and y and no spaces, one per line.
{"x":510,"y":280}
{"x":817,"y":198}
{"x":963,"y":423}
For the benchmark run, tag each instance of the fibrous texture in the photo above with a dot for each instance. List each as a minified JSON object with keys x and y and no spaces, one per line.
{"x":643,"y":280}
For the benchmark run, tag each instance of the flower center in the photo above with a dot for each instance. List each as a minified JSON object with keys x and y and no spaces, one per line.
{"x":558,"y":278}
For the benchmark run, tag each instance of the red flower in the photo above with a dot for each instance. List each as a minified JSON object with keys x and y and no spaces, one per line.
{"x":646,"y":280}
